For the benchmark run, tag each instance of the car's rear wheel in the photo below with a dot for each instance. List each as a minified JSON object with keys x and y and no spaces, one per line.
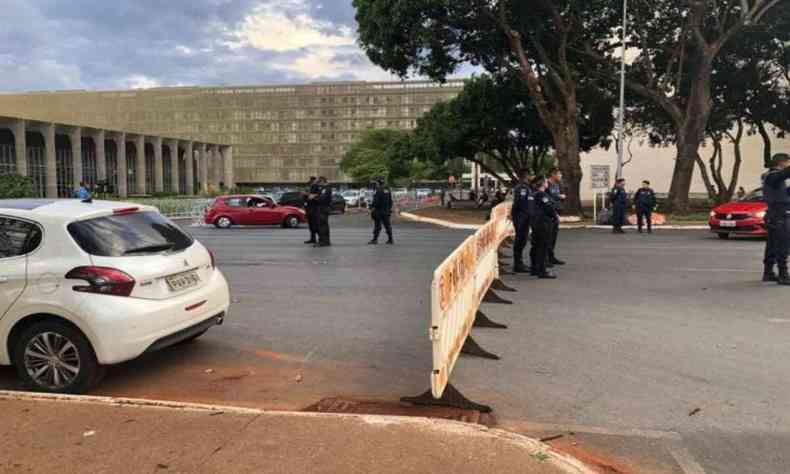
{"x":223,"y":222}
{"x":724,"y":235}
{"x":291,"y":222}
{"x":54,"y":357}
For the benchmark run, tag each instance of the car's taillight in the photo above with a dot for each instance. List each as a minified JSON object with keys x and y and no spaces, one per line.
{"x":125,"y":211}
{"x":102,"y":280}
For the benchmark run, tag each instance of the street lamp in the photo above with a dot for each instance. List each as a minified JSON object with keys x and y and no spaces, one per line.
{"x":621,"y":120}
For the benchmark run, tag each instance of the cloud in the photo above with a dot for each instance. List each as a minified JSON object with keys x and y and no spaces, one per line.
{"x":286,"y":27}
{"x":98,"y":44}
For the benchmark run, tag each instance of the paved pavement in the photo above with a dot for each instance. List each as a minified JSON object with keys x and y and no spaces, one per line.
{"x":62,"y":436}
{"x":655,"y":354}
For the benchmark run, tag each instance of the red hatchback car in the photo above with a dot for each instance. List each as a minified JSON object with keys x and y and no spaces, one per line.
{"x":745,"y":217}
{"x":227,"y":211}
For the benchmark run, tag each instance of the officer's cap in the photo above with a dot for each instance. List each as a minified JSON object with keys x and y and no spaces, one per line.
{"x":380,"y":180}
{"x":780,"y":158}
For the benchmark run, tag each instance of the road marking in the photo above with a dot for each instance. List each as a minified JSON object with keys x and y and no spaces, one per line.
{"x":778,"y":320}
{"x":714,"y":270}
{"x":686,"y":461}
{"x":554,"y":427}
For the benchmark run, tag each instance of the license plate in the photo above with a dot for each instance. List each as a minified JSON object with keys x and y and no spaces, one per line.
{"x":728,"y":224}
{"x":183,"y":281}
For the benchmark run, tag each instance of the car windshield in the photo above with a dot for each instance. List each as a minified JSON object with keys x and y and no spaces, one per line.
{"x":754,"y":196}
{"x":129,"y":234}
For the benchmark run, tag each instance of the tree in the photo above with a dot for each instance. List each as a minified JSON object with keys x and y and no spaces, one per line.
{"x":14,"y":186}
{"x":677,"y":44}
{"x":494,"y":122}
{"x":392,"y":154}
{"x":540,"y":40}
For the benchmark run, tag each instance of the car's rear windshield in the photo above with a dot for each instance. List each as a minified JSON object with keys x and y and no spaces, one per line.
{"x":139,"y":233}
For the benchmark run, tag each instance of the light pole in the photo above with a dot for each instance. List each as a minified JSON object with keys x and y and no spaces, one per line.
{"x":621,"y":120}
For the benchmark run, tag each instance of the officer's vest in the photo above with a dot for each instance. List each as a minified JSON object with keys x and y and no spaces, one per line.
{"x":776,"y":195}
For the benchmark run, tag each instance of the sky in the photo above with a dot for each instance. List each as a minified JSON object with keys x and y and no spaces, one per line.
{"x":123,"y":44}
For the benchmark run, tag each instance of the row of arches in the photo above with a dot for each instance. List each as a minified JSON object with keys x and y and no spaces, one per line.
{"x":64,"y":164}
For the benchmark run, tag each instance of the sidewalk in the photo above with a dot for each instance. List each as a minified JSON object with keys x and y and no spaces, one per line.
{"x":100,"y":435}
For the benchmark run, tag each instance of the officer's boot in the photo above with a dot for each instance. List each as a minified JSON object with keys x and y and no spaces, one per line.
{"x":768,"y":274}
{"x":373,"y":242}
{"x":784,"y":277}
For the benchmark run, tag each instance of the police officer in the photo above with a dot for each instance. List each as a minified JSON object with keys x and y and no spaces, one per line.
{"x":543,"y":215}
{"x":554,"y":191}
{"x":520,"y":216}
{"x":324,"y":210}
{"x":644,"y":202}
{"x":311,"y":208}
{"x":619,"y":201}
{"x":777,"y":219}
{"x":380,"y":211}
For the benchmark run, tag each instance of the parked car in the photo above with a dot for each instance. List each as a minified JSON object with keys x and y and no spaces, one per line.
{"x":295,"y":199}
{"x":745,"y":217}
{"x":85,"y":285}
{"x":227,"y":211}
{"x":423,"y":193}
{"x":354,"y":198}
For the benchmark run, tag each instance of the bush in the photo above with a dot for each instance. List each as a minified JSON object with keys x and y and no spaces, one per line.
{"x":14,"y":186}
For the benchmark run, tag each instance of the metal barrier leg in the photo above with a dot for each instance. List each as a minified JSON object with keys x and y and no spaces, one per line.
{"x":482,"y":321}
{"x":492,"y":297}
{"x":450,"y":398}
{"x":501,"y":286}
{"x":471,"y":347}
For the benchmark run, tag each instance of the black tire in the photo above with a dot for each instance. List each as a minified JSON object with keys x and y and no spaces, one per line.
{"x":223,"y":222}
{"x":291,"y":222}
{"x":723,"y":235}
{"x":191,"y":339}
{"x":88,"y":374}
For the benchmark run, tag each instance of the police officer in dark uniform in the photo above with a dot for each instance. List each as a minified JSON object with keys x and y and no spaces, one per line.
{"x":543,"y":215}
{"x":324,"y":210}
{"x":380,"y":211}
{"x":619,"y":201}
{"x":554,"y":190}
{"x":311,"y":208}
{"x":777,"y":195}
{"x":520,"y":216}
{"x":644,"y":202}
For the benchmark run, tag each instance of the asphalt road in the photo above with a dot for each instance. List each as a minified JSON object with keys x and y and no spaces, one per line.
{"x":659,"y":353}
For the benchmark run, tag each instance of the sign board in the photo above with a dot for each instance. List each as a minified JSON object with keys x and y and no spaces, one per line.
{"x":600,"y":176}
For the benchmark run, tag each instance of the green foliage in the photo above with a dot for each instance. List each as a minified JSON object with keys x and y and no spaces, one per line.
{"x":389,"y":153}
{"x":14,"y":186}
{"x":494,"y":122}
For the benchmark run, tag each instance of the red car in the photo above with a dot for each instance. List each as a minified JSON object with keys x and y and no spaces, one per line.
{"x":745,"y":217}
{"x":227,"y":211}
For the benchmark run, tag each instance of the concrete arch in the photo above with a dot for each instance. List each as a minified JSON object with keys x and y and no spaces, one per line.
{"x":36,"y":161}
{"x":131,"y":168}
{"x":7,"y":152}
{"x":111,"y":155}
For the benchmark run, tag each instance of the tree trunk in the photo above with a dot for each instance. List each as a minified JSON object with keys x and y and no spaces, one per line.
{"x":690,"y":135}
{"x":567,"y":147}
{"x":767,"y":153}
{"x":682,"y":176}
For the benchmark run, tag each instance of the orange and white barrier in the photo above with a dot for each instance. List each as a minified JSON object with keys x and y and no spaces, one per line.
{"x":459,"y":285}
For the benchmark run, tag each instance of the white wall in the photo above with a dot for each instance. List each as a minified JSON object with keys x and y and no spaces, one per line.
{"x":656,"y":165}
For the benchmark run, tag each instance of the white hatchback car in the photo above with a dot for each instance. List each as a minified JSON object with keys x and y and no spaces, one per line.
{"x":83,"y":285}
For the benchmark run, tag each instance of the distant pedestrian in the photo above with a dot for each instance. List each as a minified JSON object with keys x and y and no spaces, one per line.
{"x":83,"y":193}
{"x":520,"y":215}
{"x":311,"y":208}
{"x":324,"y":210}
{"x":554,"y":190}
{"x":644,"y":203}
{"x":381,"y":211}
{"x":543,"y":214}
{"x":740,"y":194}
{"x":619,"y":201}
{"x":777,"y":219}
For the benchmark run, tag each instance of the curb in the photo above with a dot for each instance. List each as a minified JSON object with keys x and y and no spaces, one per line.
{"x":559,"y":459}
{"x":569,"y":226}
